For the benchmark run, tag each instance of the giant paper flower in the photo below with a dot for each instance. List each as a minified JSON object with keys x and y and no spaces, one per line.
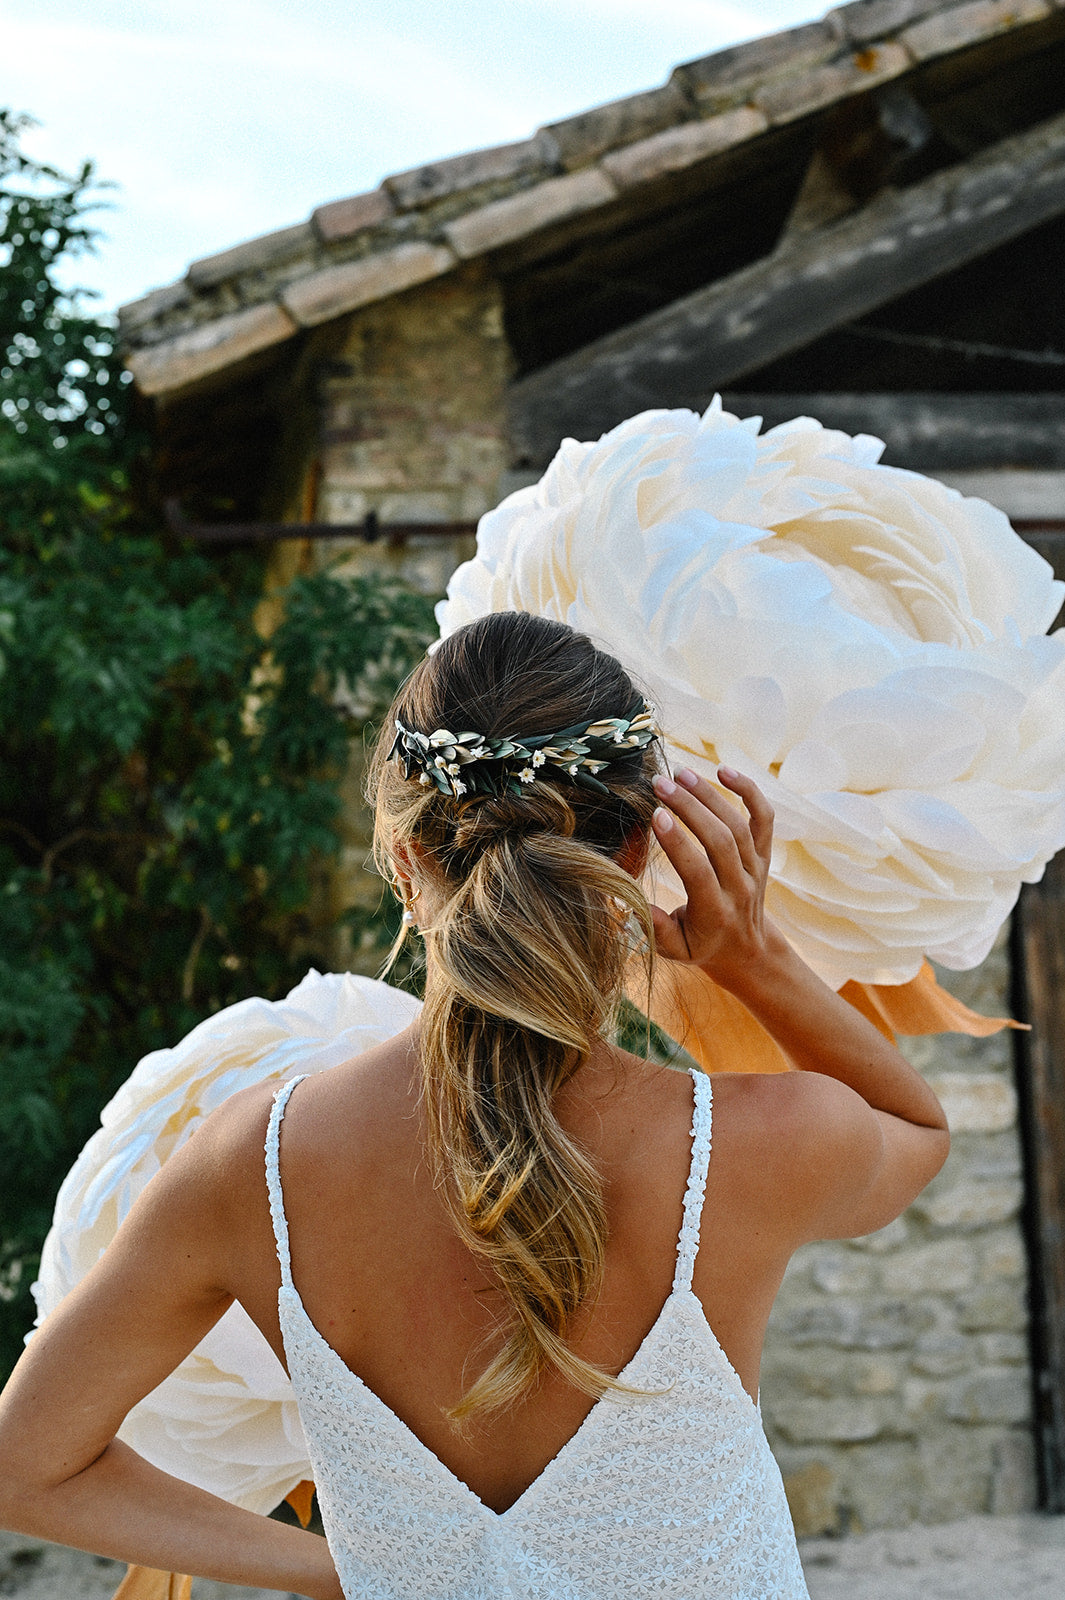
{"x":226,"y":1419}
{"x":868,"y":644}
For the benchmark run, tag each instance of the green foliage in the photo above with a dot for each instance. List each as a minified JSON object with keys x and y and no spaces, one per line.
{"x":168,"y":782}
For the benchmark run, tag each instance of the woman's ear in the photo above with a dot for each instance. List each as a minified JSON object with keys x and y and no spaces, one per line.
{"x":632,"y":857}
{"x":408,"y":855}
{"x":402,"y":855}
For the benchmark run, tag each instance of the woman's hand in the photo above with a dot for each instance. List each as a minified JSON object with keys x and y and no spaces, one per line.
{"x":845,"y":1168}
{"x":722,"y":856}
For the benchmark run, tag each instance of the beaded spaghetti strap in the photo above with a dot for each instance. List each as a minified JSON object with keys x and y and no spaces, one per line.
{"x":702,"y":1121}
{"x":273,"y":1178}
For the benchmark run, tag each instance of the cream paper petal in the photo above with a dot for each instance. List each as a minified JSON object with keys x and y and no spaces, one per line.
{"x":225,"y":1419}
{"x":868,"y":644}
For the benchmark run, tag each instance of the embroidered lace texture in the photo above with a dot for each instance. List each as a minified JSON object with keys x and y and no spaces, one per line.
{"x":673,"y":1494}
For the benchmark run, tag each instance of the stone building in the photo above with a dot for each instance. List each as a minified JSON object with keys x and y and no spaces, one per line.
{"x":862,"y":219}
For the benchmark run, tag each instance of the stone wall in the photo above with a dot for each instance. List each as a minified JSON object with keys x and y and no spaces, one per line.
{"x":411,"y":401}
{"x":896,"y":1382}
{"x":411,"y":409}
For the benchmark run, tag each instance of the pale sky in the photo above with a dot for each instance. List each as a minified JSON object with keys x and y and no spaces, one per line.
{"x":223,"y":119}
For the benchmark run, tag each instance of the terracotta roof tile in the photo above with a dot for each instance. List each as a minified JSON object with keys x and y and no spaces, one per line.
{"x":967,"y":24}
{"x":504,"y":221}
{"x":796,"y":96}
{"x":421,"y":185}
{"x":156,"y":303}
{"x":340,"y":219}
{"x":342,"y":288}
{"x":251,"y":256}
{"x":209,"y":348}
{"x":585,"y":137}
{"x":865,"y":20}
{"x":676,"y":148}
{"x":724,"y":79}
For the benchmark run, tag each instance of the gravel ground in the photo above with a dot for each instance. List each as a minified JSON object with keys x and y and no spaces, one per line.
{"x":982,"y":1558}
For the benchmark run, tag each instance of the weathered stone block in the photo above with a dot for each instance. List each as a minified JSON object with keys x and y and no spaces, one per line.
{"x":1003,"y":1349}
{"x":943,"y":1355}
{"x":161,"y":368}
{"x":954,"y":1473}
{"x":922,"y":1401}
{"x":342,"y":218}
{"x":876,"y":1377}
{"x":504,"y":221}
{"x":866,"y":1324}
{"x":813,"y":1498}
{"x":997,"y":1394}
{"x":337,"y":290}
{"x":154,"y":304}
{"x":842,"y":1420}
{"x":417,"y":505}
{"x":677,"y":148}
{"x":972,"y":1203}
{"x":992,"y":1306}
{"x":959,"y":26}
{"x":338,"y":503}
{"x":255,"y":254}
{"x":1003,"y":1255}
{"x":785,"y":99}
{"x":840,"y":1271}
{"x":727,"y":77}
{"x":1013,"y":1475}
{"x":436,"y":179}
{"x":882,"y":1489}
{"x":939,"y":1268}
{"x":976,"y":1102}
{"x":583,"y":138}
{"x":810,"y":1371}
{"x":865,"y":20}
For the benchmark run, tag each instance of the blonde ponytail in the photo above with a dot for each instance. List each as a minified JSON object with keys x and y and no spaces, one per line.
{"x":526,"y":961}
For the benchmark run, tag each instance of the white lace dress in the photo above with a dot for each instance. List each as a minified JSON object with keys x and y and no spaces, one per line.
{"x":674,"y":1494}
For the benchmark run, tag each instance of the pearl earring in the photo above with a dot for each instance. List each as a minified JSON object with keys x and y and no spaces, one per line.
{"x":408,"y":907}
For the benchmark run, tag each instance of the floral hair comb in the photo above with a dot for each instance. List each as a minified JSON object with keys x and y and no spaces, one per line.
{"x":473,"y":763}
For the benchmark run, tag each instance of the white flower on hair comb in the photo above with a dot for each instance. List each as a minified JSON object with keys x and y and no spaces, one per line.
{"x":462,"y":763}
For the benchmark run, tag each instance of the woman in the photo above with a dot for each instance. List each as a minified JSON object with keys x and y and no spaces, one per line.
{"x":480,"y":1218}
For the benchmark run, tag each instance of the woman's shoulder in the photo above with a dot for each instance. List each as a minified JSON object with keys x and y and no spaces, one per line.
{"x":797,"y":1119}
{"x":792,"y":1147}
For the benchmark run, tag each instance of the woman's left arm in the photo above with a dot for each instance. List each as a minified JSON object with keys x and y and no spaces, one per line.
{"x":160,"y":1286}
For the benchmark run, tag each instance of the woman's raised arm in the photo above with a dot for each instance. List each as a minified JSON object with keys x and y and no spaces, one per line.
{"x":865,"y":1139}
{"x":160,"y":1286}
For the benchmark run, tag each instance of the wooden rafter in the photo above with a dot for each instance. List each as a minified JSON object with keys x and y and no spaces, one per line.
{"x":812,"y":283}
{"x":932,"y":430}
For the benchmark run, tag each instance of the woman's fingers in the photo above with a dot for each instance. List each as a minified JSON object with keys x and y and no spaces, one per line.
{"x":670,"y":939}
{"x":705,"y":916}
{"x":721,"y":827}
{"x":689,"y":854}
{"x":722,"y":860}
{"x":759,"y":810}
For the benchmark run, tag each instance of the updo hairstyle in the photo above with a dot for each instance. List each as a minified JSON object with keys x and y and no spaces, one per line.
{"x":527,"y":957}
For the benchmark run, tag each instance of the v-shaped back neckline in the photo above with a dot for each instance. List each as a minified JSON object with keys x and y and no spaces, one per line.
{"x":681,"y":1289}
{"x":348,"y":1374}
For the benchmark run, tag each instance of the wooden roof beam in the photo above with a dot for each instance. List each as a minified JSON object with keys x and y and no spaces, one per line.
{"x":933,"y":431}
{"x":682,"y":353}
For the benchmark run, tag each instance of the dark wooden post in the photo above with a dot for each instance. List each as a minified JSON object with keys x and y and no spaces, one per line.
{"x":1039,"y":983}
{"x":1039,"y":975}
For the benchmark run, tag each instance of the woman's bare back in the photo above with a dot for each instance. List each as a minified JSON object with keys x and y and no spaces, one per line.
{"x":387,"y":1282}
